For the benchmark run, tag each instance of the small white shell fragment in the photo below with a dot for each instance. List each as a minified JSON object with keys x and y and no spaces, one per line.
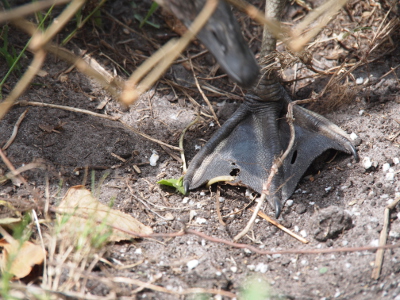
{"x":327,"y":189}
{"x":367,"y":163}
{"x":396,"y":160}
{"x":251,"y":267}
{"x":221,"y":199}
{"x":303,"y":233}
{"x":374,"y":243}
{"x":201,"y":221}
{"x":353,"y":136}
{"x":262,"y":268}
{"x":192,"y":214}
{"x":361,"y":112}
{"x":202,"y":194}
{"x":185,"y":200}
{"x":385,"y":167}
{"x":197,"y":147}
{"x":234,"y":269}
{"x":289,"y":203}
{"x":192,"y":264}
{"x":212,"y":124}
{"x":359,"y":80}
{"x":138,"y":251}
{"x":389,"y":176}
{"x":153,"y":159}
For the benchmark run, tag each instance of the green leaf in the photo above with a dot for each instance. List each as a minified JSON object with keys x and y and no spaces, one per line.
{"x":176,"y":183}
{"x":323,"y":270}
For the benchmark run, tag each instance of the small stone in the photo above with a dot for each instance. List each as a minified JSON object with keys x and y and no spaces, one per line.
{"x":359,"y":80}
{"x":289,"y":203}
{"x":361,"y":112}
{"x":153,"y":159}
{"x":385,"y":167}
{"x":353,"y":136}
{"x":192,"y":264}
{"x":389,"y":176}
{"x":301,"y":208}
{"x":394,"y":234}
{"x":262,"y":268}
{"x":201,"y":221}
{"x":367,"y":163}
{"x":396,"y":160}
{"x":251,"y":267}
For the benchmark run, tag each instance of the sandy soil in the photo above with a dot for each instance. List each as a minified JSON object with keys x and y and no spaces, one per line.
{"x":339,"y":203}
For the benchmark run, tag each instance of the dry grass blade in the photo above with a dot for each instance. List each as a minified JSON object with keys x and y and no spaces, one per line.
{"x":325,"y":12}
{"x":15,"y":130}
{"x":274,"y":27}
{"x":40,"y":39}
{"x":281,"y":227}
{"x":168,"y":53}
{"x":164,"y":290}
{"x":28,"y":9}
{"x":23,"y":83}
{"x":382,"y":240}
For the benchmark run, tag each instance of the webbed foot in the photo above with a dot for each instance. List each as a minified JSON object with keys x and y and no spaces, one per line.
{"x":246,"y":146}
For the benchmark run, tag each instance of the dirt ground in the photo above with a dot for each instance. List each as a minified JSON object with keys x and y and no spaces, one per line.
{"x":339,"y":203}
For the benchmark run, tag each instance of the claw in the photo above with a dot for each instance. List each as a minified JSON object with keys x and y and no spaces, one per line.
{"x":278,"y":207}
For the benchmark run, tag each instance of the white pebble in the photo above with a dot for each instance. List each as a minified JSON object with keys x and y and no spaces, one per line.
{"x":296,"y":228}
{"x":262,"y":268}
{"x":153,"y":159}
{"x":197,"y":147}
{"x":202,"y":194}
{"x":337,"y":295}
{"x":304,"y":262}
{"x":374,"y":243}
{"x":385,"y":167}
{"x":367,"y":163}
{"x":361,"y":112}
{"x":389,"y":176}
{"x":221,"y":199}
{"x":348,"y":265}
{"x":276,"y":255}
{"x":201,"y":221}
{"x":394,"y":234}
{"x":289,"y":203}
{"x":251,"y":267}
{"x":328,"y":189}
{"x":234,"y":269}
{"x":396,"y":160}
{"x":192,"y":264}
{"x":359,"y":80}
{"x":353,"y":136}
{"x":185,"y":200}
{"x":138,"y":251}
{"x":345,"y":243}
{"x":212,"y":124}
{"x":303,"y":233}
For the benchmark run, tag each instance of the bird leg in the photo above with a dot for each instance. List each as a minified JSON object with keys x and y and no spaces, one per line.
{"x":247,"y":144}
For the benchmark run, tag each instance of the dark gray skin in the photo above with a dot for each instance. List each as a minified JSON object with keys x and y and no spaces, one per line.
{"x":222,"y":37}
{"x":246,"y":146}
